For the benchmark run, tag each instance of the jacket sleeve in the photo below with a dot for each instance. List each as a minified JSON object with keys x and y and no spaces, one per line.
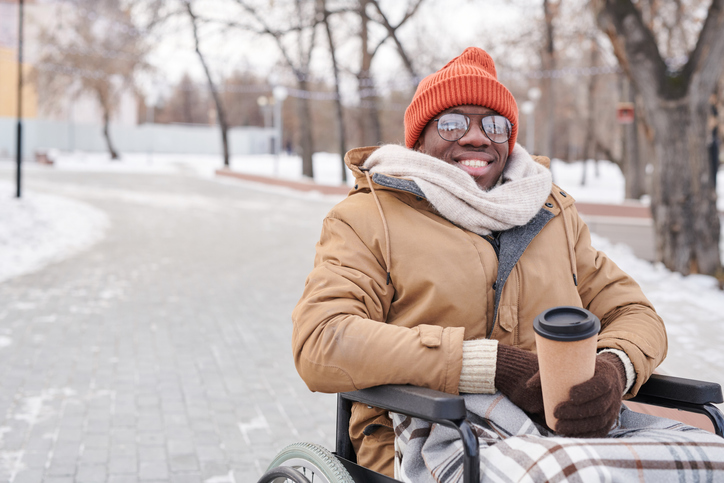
{"x":341,"y":339}
{"x":628,"y":320}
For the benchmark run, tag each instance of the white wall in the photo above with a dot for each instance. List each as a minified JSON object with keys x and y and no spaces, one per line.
{"x":41,"y":135}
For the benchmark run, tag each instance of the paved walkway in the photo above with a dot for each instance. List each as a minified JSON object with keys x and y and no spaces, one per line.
{"x":163,"y":352}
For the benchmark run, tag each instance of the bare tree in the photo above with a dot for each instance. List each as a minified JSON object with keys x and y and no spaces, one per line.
{"x":549,"y":63}
{"x":676,"y":102}
{"x":338,"y":101}
{"x":633,"y":143}
{"x":220,"y":112}
{"x":590,"y":146}
{"x":371,"y":129}
{"x":297,"y":20}
{"x":368,"y":48}
{"x":100,"y":57}
{"x":411,"y":9}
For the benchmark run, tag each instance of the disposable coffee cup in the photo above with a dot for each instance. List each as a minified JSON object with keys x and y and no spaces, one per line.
{"x":566,"y":344}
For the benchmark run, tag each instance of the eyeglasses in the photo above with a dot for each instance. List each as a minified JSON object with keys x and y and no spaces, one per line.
{"x":452,"y":127}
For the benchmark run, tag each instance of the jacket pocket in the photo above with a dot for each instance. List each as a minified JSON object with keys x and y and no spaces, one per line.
{"x":430,"y":335}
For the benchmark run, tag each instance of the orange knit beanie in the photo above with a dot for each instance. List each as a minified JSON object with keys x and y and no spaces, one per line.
{"x":469,"y":78}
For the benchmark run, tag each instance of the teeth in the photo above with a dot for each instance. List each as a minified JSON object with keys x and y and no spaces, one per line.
{"x":474,"y":163}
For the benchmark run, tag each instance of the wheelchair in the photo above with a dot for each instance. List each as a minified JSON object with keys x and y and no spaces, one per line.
{"x":310,"y":463}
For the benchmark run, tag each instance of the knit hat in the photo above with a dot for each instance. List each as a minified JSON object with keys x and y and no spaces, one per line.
{"x":469,"y":78}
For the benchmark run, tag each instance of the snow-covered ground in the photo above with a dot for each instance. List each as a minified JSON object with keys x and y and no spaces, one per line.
{"x":40,"y":229}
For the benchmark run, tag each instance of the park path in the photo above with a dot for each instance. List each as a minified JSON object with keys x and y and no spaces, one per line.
{"x":162,"y":353}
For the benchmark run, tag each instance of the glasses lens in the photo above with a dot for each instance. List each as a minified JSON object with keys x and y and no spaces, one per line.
{"x":452,"y":127}
{"x":497,"y":128}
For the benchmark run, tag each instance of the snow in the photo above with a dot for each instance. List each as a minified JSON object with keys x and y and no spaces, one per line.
{"x":327,"y":166}
{"x":40,"y":229}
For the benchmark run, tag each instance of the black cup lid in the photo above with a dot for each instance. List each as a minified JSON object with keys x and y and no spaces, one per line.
{"x":566,"y":323}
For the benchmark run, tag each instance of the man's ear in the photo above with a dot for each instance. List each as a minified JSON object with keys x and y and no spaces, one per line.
{"x":418,"y":145}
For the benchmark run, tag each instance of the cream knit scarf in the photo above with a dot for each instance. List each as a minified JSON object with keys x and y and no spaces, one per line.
{"x":455,"y":195}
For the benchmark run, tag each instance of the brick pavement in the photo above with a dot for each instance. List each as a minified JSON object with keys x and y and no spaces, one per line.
{"x":163,"y":352}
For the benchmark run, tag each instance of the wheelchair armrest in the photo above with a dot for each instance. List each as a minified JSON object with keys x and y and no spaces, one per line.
{"x":678,"y":389}
{"x":414,"y":401}
{"x":420,"y":402}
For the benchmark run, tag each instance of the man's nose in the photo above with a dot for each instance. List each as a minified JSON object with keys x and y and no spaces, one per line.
{"x":475,"y":136}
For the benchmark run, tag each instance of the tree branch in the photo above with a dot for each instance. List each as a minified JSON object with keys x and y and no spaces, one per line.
{"x":298,"y":70}
{"x":706,"y":63}
{"x":220,"y":113}
{"x":392,"y":32}
{"x":633,"y":44}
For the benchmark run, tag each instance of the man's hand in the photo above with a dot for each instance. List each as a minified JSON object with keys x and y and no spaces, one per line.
{"x":517,"y":376}
{"x":595,"y":404}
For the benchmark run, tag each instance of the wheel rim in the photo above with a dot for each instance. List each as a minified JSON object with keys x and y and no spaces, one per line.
{"x":307,"y":468}
{"x":312,"y":462}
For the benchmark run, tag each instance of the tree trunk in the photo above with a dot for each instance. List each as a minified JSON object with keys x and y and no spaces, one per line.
{"x":103,"y":100}
{"x":305,"y":126}
{"x":713,"y":127}
{"x":676,"y":107}
{"x":107,"y":135}
{"x":371,"y":130}
{"x":684,"y":203}
{"x":633,"y":164}
{"x":548,"y":99}
{"x":590,"y":147}
{"x":220,"y":113}
{"x":338,"y":101}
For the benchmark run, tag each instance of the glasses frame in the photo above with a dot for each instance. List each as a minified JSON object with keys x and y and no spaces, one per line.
{"x":482,"y":126}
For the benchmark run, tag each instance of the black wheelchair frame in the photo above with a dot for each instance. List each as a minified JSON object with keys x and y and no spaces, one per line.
{"x":449,"y":410}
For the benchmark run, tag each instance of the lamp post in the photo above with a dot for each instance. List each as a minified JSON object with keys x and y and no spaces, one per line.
{"x":19,"y":141}
{"x":266,"y":104}
{"x":280,"y":93}
{"x":528,"y":108}
{"x":151,"y":102}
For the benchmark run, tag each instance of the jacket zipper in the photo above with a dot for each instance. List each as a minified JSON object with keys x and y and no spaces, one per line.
{"x":494,"y":240}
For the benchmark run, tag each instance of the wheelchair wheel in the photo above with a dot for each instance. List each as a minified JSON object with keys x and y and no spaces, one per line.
{"x":314,"y":462}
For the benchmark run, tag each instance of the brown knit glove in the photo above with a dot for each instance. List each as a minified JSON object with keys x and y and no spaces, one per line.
{"x":517,"y":376}
{"x":594,"y":405}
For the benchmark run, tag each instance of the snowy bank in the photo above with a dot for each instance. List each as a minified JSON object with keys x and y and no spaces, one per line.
{"x":39,"y":229}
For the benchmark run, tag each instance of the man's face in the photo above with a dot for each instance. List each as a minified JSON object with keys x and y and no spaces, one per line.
{"x":474,"y":153}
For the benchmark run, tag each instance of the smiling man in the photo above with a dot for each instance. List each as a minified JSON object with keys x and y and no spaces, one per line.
{"x":481,"y":153}
{"x":433,"y":268}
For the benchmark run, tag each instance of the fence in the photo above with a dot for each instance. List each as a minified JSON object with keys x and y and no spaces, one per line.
{"x":43,"y":135}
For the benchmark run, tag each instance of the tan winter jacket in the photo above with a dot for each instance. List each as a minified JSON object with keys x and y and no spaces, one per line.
{"x":353,"y":330}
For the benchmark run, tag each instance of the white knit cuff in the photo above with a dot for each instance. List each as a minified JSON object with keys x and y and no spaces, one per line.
{"x":627,"y":364}
{"x":478,"y":374}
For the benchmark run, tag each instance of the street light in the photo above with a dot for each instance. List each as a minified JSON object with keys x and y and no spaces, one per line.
{"x":280,"y":93}
{"x":265,"y":106}
{"x":151,"y":101}
{"x":19,"y":148}
{"x":528,"y":108}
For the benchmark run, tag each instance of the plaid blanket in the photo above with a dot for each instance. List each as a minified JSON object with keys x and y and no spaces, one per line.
{"x":513,"y":448}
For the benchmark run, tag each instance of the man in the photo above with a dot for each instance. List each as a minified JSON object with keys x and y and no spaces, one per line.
{"x":433,"y":268}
